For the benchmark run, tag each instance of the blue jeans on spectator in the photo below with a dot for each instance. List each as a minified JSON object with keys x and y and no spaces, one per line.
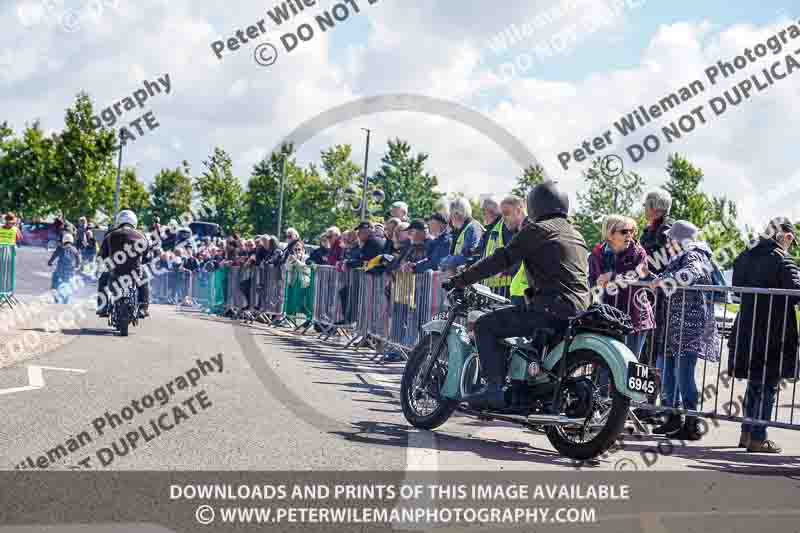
{"x":679,"y":370}
{"x":758,"y":403}
{"x":635,"y":343}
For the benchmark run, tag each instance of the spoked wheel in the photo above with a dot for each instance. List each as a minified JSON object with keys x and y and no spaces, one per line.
{"x":423,"y":406}
{"x":589,"y":394}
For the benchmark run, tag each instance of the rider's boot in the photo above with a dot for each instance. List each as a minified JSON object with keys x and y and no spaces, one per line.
{"x":491,"y":396}
{"x":673,"y":425}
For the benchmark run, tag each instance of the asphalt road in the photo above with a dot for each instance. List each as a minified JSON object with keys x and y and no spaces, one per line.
{"x":281,"y":402}
{"x":33,"y":274}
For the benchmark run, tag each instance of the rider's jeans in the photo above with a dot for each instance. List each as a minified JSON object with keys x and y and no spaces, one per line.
{"x":503,"y":323}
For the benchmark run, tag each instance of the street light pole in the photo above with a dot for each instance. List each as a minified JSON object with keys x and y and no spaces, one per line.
{"x":119,"y":175}
{"x":280,"y":205}
{"x":366,"y":184}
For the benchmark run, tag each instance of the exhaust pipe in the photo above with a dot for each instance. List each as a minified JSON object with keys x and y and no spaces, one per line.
{"x":554,"y":419}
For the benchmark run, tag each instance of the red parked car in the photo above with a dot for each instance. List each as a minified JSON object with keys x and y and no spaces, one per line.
{"x":40,"y":234}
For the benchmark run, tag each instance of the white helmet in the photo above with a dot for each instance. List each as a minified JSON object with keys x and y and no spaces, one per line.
{"x":126,"y":216}
{"x":67,"y":239}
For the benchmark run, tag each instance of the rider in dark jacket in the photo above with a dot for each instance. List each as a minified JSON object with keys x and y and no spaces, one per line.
{"x":556,"y":262}
{"x":124,"y":250}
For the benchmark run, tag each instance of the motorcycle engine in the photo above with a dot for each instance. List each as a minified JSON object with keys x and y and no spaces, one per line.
{"x":577,"y":397}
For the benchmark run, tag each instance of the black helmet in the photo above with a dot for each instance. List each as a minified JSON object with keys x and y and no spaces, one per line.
{"x":547,"y":199}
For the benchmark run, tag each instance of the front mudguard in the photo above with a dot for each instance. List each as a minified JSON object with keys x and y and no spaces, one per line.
{"x":458,"y":350}
{"x":615,"y":354}
{"x":437,"y":326}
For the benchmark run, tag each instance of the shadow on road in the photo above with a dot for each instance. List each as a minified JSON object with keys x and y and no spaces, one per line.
{"x":81,"y":331}
{"x":385,"y":434}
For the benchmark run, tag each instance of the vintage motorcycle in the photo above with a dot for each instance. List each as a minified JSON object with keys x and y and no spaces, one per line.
{"x":575,"y":386}
{"x":124,"y":311}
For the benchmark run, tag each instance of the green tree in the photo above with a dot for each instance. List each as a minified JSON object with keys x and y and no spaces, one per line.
{"x":83,"y":171}
{"x":26,"y":172}
{"x":221,"y":194}
{"x":715,"y":216}
{"x":314,"y":198}
{"x":531,"y":177}
{"x":402,"y":177}
{"x":607,"y":194}
{"x":688,"y":201}
{"x":133,"y":194}
{"x":263,"y":190}
{"x":309,"y":210}
{"x":341,"y":173}
{"x":171,"y":194}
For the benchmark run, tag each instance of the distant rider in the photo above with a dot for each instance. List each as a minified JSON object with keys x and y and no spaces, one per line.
{"x":555,"y":256}
{"x":125,"y":248}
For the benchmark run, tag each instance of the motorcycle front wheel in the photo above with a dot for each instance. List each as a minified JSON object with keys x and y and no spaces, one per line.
{"x":608,"y":411}
{"x":423,"y":406}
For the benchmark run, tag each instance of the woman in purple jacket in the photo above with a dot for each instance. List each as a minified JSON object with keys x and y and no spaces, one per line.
{"x":613,"y":265}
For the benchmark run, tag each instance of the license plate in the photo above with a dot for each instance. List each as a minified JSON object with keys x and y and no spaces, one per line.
{"x":642,"y":378}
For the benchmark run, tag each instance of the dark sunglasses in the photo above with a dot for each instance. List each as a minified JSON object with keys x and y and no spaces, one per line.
{"x":625,"y":231}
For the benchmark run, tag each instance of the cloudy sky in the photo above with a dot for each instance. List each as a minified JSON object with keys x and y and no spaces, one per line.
{"x":605,"y":63}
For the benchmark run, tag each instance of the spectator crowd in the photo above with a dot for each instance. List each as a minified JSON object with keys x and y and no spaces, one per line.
{"x":678,"y":327}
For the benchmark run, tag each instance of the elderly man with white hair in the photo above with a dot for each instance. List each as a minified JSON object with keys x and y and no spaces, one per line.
{"x":470,"y":233}
{"x":657,"y":205}
{"x":336,"y":252}
{"x":492,"y":221}
{"x":399,"y":210}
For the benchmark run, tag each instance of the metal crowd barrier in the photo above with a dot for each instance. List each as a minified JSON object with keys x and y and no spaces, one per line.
{"x":218,"y":284}
{"x":8,"y":256}
{"x":242,"y":288}
{"x":335,"y":300}
{"x":749,"y":372}
{"x":200,"y":289}
{"x":271,"y":291}
{"x":372,"y":318}
{"x":415,"y":299}
{"x":163,"y":288}
{"x":197,"y":290}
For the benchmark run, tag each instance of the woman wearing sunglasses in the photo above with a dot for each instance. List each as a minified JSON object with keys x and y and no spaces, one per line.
{"x":613,"y":265}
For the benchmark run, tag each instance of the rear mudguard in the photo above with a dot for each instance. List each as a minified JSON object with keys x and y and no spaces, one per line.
{"x":615,"y":354}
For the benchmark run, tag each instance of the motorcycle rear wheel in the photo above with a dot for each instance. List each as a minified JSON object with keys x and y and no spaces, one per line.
{"x":615,"y":415}
{"x":412,"y":391}
{"x":123,"y":318}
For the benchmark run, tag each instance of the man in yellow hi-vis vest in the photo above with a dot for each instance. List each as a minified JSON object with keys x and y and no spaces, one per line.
{"x":513,"y":215}
{"x":468,"y":239}
{"x":9,"y":233}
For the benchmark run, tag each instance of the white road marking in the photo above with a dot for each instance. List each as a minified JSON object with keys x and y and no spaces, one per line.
{"x":36,"y":378}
